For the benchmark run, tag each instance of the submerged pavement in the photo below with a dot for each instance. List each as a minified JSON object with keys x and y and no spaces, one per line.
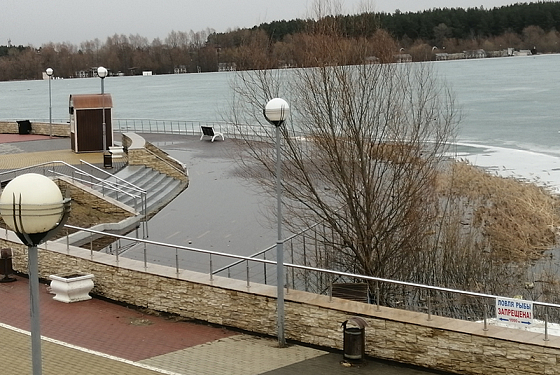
{"x":219,"y":210}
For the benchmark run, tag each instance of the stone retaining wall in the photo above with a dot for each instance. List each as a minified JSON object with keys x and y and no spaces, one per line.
{"x":41,"y":128}
{"x":94,"y":199}
{"x":441,"y":343}
{"x":141,"y":152}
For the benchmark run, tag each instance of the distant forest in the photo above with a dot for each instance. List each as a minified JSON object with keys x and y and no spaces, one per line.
{"x":376,"y":37}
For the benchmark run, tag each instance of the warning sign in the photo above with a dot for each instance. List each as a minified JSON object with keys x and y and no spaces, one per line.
{"x":515,"y":311}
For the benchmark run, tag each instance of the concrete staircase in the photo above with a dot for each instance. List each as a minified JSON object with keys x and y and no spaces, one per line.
{"x":160,"y":188}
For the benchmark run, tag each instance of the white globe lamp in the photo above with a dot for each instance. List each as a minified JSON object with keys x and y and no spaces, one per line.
{"x":276,"y":111}
{"x":37,"y":202}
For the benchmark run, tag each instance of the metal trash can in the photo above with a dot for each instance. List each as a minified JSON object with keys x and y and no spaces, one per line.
{"x":6,"y":265}
{"x":354,"y":339}
{"x":24,"y":127}
{"x":107,"y":159}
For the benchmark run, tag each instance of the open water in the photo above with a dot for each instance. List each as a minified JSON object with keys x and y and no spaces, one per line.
{"x":510,"y":107}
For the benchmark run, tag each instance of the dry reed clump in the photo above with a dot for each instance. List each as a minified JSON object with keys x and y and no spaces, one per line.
{"x":519,"y":219}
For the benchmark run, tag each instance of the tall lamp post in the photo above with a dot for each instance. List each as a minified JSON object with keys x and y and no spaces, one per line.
{"x":32,"y":206}
{"x":276,"y":111}
{"x":49,"y":72}
{"x":107,"y":160}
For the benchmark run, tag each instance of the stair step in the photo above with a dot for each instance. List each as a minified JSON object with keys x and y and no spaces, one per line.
{"x":163,"y":196}
{"x":160,"y":188}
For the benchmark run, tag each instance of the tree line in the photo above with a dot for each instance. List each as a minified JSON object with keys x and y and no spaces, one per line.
{"x":282,"y":43}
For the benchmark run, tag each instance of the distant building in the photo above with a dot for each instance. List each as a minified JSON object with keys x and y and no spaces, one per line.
{"x":283,"y":64}
{"x":475,"y":54}
{"x":403,"y":58}
{"x":227,"y":67}
{"x":180,"y":69}
{"x":499,"y":53}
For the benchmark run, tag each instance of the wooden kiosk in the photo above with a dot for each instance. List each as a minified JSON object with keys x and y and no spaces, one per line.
{"x":86,"y":122}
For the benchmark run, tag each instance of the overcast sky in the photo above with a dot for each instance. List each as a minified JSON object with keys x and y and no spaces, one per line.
{"x":35,"y":22}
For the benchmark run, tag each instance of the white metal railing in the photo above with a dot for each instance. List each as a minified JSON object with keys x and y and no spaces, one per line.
{"x":120,"y":190}
{"x":182,"y":127}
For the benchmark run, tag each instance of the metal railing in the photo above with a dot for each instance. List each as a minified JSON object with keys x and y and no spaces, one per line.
{"x":104,"y":182}
{"x":181,"y":127}
{"x":205,"y":260}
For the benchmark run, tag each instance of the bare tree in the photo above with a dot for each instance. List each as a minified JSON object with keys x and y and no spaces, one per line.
{"x":361,"y":153}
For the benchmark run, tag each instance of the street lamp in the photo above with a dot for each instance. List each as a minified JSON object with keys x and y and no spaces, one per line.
{"x":49,"y":72}
{"x":107,"y":160}
{"x":32,"y":206}
{"x":276,"y":111}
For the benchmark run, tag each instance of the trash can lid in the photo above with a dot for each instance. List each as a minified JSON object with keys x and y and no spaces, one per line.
{"x":357,"y":321}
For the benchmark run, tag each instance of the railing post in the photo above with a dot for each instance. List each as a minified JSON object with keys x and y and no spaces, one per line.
{"x":546,"y":327}
{"x":145,"y":256}
{"x":91,"y":246}
{"x":248,"y":284}
{"x":293,"y":271}
{"x":177,"y":261}
{"x":377,"y":291}
{"x":305,"y":281}
{"x":211,"y":269}
{"x":264,"y":266}
{"x":429,"y":305}
{"x":485,"y":317}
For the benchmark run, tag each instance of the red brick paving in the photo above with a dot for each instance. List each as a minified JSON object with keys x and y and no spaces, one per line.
{"x":103,"y":326}
{"x":8,"y":138}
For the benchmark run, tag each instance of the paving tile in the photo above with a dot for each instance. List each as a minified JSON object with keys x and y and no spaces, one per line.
{"x":236,"y":355}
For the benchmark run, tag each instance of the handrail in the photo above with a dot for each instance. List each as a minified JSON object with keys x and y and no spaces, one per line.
{"x":271,"y":247}
{"x":143,"y":195}
{"x":50,"y":167}
{"x":33,"y":166}
{"x":130,"y":184}
{"x":302,"y":267}
{"x":184,"y":127}
{"x":116,"y":188}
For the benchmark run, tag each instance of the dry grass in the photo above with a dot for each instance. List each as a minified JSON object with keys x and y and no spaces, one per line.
{"x":519,"y":219}
{"x":81,"y":215}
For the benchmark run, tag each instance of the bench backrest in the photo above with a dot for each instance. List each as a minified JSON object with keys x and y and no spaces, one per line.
{"x":207,"y":130}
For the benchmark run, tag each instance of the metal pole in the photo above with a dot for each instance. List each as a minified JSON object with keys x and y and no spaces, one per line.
{"x":33,"y":265}
{"x":279,"y":246}
{"x":103,"y":105}
{"x":50,"y":107}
